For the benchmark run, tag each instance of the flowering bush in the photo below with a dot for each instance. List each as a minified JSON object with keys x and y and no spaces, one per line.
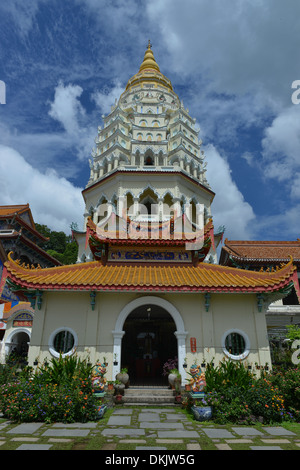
{"x":266,"y":401}
{"x":48,"y":397}
{"x":288,"y":382}
{"x":169,"y":365}
{"x":237,"y":396}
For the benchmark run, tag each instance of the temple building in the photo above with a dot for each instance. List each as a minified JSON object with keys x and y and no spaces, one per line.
{"x":267,"y":255}
{"x":147,"y":286}
{"x":19,"y":235}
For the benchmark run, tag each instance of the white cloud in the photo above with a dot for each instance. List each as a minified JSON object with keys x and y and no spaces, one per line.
{"x":54,"y":201}
{"x":66,"y":107}
{"x":229,"y":207}
{"x":281,"y":145}
{"x":239,"y":47}
{"x":106,"y":98}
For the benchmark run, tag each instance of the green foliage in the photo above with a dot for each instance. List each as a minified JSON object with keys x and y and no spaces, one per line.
{"x":288,"y":382}
{"x":59,"y":245}
{"x":293,"y":332}
{"x":59,"y":392}
{"x":238,"y":396}
{"x":226,"y":374}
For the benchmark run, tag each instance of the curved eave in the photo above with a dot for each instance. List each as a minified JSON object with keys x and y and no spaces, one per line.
{"x":93,"y":276}
{"x":157,"y":172}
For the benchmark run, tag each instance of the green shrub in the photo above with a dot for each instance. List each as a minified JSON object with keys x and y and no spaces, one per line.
{"x":227,"y":374}
{"x":60,"y":392}
{"x":266,"y":401}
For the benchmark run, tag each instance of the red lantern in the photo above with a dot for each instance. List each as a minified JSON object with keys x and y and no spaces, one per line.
{"x":193,"y":345}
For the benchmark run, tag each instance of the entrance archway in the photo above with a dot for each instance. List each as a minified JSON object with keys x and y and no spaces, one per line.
{"x":161,"y":307}
{"x":148,"y":342}
{"x":17,"y":345}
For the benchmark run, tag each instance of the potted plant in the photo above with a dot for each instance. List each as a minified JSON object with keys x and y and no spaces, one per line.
{"x":201,"y":410}
{"x":188,"y":386}
{"x":115,"y":360}
{"x":119,"y":387}
{"x":118,"y":399}
{"x":170,"y":369}
{"x":123,"y":376}
{"x":110,"y":385}
{"x":105,"y":361}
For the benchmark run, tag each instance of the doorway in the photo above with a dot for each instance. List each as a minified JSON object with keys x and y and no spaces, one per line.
{"x":149,"y":341}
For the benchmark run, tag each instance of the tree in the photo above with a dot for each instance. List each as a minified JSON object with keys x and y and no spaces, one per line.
{"x":60,"y":245}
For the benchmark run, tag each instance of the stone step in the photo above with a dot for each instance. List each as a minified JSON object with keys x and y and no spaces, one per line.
{"x":148,"y":391}
{"x":147,"y":396}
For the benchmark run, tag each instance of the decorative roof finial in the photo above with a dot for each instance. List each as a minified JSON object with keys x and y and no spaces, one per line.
{"x":149,"y":44}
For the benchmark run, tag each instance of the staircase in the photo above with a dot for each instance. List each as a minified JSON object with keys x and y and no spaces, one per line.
{"x":145,"y":396}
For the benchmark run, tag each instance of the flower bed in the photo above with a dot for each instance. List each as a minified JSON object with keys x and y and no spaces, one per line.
{"x":237,"y":396}
{"x":60,"y":393}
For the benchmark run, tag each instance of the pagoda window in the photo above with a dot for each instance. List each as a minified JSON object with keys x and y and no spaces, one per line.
{"x":149,"y":137}
{"x":149,"y":161}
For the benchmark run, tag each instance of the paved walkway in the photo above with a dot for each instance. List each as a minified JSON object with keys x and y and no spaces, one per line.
{"x":144,"y":429}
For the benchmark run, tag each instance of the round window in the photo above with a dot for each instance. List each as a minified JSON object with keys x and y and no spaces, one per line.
{"x":62,"y":342}
{"x":235,"y":344}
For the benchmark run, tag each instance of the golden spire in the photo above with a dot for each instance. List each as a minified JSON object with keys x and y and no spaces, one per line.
{"x":149,"y":61}
{"x":149,"y":72}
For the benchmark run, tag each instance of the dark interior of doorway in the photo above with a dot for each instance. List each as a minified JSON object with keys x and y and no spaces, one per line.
{"x":149,"y":341}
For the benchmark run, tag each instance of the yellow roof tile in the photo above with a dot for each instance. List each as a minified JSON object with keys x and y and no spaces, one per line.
{"x":94,"y":276}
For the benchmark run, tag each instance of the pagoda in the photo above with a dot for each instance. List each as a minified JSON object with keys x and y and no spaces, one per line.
{"x":147,"y":286}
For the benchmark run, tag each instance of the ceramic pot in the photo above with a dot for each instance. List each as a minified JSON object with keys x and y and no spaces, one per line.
{"x":171,"y":380}
{"x":101,"y":410}
{"x":123,"y":377}
{"x":202,"y":413}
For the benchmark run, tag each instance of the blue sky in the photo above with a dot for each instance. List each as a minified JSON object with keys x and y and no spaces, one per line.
{"x":231,"y":62}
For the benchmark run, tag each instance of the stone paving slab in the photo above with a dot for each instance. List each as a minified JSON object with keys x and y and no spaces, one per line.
{"x":278,"y":431}
{"x":119,"y":421}
{"x":75,"y":425}
{"x":25,"y":438}
{"x":217,"y":433}
{"x":176,"y":416}
{"x":276,"y":441}
{"x":123,"y":432}
{"x":34,"y":447}
{"x":163,"y":425}
{"x":169,"y":441}
{"x":149,"y":417}
{"x":25,"y":428}
{"x":181,"y":434}
{"x":265,"y":448}
{"x":246,"y":431}
{"x":66,"y":432}
{"x":150,"y":448}
{"x":123,"y":411}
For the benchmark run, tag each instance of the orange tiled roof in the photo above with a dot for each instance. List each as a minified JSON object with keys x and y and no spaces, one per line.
{"x":262,"y":250}
{"x":13,"y":209}
{"x":205,"y":277}
{"x":144,"y":235}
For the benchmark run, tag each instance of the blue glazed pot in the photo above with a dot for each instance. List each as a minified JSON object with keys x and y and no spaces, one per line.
{"x":101,"y":410}
{"x":202,"y":413}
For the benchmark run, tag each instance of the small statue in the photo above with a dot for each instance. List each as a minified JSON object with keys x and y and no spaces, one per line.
{"x":197,"y":381}
{"x":98,"y":379}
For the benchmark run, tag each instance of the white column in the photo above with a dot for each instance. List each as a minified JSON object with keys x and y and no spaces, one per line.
{"x":118,"y":335}
{"x":181,"y":337}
